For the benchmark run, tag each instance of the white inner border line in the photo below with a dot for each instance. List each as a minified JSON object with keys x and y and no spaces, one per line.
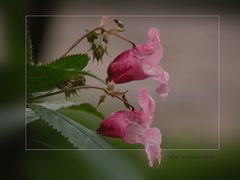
{"x":136,"y":16}
{"x":219,"y":82}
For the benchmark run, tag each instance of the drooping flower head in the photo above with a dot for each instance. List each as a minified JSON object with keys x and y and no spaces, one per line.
{"x":141,"y":62}
{"x":134,"y":126}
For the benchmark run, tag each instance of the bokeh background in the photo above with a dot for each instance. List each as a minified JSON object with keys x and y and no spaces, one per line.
{"x":189,"y":117}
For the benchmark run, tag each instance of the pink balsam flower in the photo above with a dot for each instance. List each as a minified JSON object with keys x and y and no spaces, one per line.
{"x":141,"y":62}
{"x":134,"y":126}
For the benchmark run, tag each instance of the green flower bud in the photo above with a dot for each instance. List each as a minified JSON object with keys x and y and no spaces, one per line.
{"x":105,"y":37}
{"x":92,"y":36}
{"x":119,"y":23}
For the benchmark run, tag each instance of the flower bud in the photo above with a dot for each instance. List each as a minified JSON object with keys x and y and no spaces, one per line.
{"x":98,"y":53}
{"x":119,"y":23}
{"x":105,"y":37}
{"x":74,"y":82}
{"x":92,"y":36}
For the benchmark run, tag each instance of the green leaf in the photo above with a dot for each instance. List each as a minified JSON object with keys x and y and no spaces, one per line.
{"x":30,"y":115}
{"x":47,"y":77}
{"x":56,"y":105}
{"x":89,"y":111}
{"x":86,"y":107}
{"x":85,"y":114}
{"x":42,"y":136}
{"x":80,"y":136}
{"x":77,"y":61}
{"x":44,"y":78}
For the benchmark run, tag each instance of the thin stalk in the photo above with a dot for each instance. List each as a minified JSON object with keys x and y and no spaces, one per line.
{"x":82,"y":87}
{"x":85,"y":35}
{"x":125,"y":39}
{"x":79,"y":40}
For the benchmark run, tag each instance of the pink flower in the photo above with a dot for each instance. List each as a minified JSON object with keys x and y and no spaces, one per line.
{"x":141,"y":62}
{"x":134,"y":126}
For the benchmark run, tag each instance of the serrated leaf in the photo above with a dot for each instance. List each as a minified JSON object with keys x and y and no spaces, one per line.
{"x":47,"y":77}
{"x":63,"y":105}
{"x":42,"y":136}
{"x":30,"y":115}
{"x":56,"y":105}
{"x":76,"y":61}
{"x":80,"y":136}
{"x":44,"y":78}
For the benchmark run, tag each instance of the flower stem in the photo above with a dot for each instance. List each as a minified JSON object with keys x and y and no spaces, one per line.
{"x":84,"y":87}
{"x":93,"y":30}
{"x":79,"y":40}
{"x":125,"y":39}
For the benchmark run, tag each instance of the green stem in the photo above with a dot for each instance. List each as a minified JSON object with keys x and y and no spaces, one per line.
{"x":83,"y":87}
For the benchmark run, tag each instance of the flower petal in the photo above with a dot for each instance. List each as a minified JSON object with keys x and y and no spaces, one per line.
{"x":153,"y":34}
{"x":114,"y":125}
{"x":163,"y":90}
{"x":149,"y":137}
{"x":152,"y":141}
{"x":133,"y":133}
{"x":126,"y":67}
{"x":147,"y":104}
{"x":152,"y":50}
{"x":162,"y":77}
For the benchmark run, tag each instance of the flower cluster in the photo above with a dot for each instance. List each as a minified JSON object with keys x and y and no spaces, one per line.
{"x":98,"y":41}
{"x":137,"y":63}
{"x":133,"y":126}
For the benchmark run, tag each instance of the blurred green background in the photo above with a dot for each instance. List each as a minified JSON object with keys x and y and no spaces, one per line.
{"x":17,"y":163}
